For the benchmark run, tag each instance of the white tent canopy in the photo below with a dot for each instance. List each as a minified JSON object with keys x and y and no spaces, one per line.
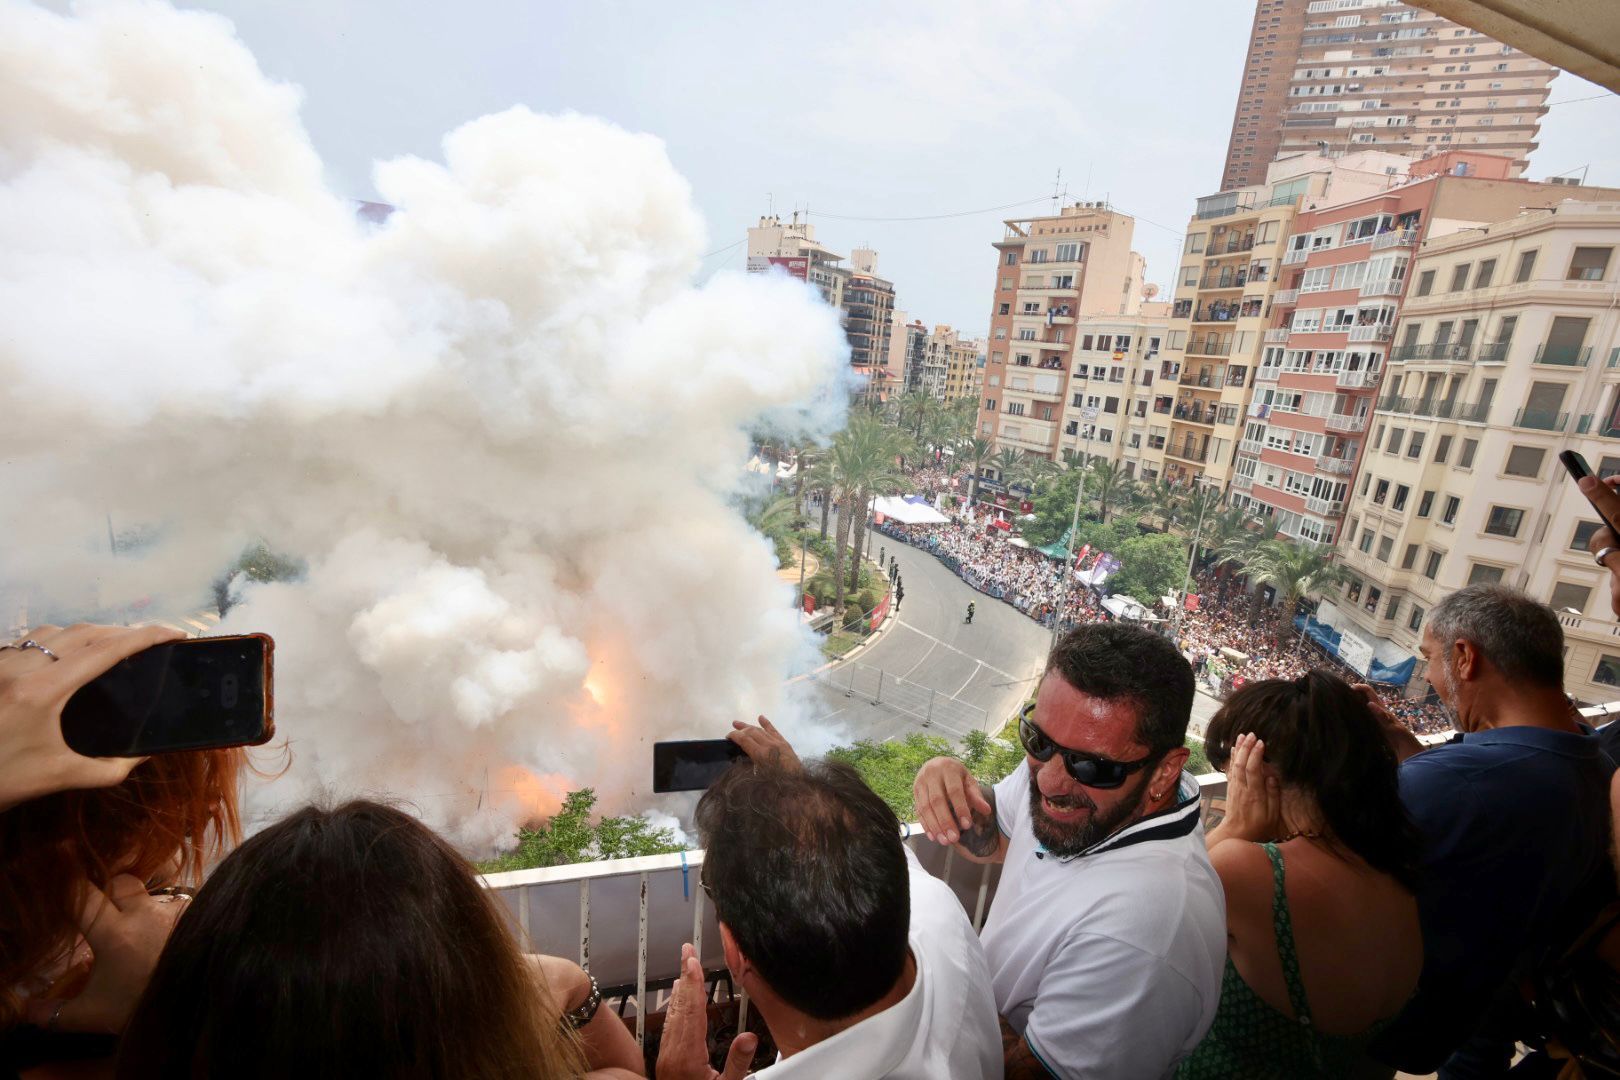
{"x":1128,"y":607}
{"x":907,"y":513}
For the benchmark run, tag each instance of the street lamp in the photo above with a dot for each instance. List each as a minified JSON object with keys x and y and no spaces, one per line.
{"x":1186,"y":579}
{"x":1088,"y":417}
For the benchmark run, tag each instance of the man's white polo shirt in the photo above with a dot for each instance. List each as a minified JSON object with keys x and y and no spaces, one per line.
{"x":946,"y":1027}
{"x":1109,"y":963}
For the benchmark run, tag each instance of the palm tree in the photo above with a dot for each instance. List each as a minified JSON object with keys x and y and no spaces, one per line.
{"x":1033,"y":471}
{"x":912,"y":409}
{"x":939,"y":432}
{"x":976,"y":453}
{"x":1294,"y":571}
{"x":1164,"y":499}
{"x":1105,"y":482}
{"x":863,"y":463}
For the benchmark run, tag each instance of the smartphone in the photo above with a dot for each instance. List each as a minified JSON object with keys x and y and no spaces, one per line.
{"x":196,"y":694}
{"x":1577,"y":467}
{"x":692,"y":765}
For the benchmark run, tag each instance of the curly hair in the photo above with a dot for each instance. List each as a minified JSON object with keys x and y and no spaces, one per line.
{"x":170,"y":817}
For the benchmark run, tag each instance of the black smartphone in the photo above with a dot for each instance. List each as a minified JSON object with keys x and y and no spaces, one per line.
{"x":1577,"y":467}
{"x":693,"y":764}
{"x":196,"y":694}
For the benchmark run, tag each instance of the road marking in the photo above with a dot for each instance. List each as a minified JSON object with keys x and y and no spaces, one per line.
{"x":970,"y":678}
{"x":919,"y":663}
{"x":959,"y":652}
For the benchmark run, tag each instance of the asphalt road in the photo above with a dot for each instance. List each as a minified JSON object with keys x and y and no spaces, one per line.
{"x":931,"y":671}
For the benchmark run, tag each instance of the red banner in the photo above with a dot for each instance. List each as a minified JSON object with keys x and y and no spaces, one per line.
{"x":1192,"y":601}
{"x":880,"y":612}
{"x":809,"y":604}
{"x":1026,"y":507}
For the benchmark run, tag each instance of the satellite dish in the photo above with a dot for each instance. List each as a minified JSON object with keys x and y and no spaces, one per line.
{"x":1149,"y":291}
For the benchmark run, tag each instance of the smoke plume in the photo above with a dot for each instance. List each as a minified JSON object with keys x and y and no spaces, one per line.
{"x":503,"y":429}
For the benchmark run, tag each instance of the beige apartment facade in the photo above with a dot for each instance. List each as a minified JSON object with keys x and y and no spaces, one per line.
{"x":1050,"y":272}
{"x":964,"y":371}
{"x":1507,"y":352}
{"x":1346,"y":75}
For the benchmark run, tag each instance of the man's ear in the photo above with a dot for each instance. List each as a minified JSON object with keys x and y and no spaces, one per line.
{"x":1168,"y":773}
{"x":1467,"y":660}
{"x":736,"y":962}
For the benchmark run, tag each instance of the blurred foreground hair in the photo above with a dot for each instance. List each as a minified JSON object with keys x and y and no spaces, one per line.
{"x":346,"y":943}
{"x":169,"y":818}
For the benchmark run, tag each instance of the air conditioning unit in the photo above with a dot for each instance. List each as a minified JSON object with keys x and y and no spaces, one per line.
{"x":1571,"y":181}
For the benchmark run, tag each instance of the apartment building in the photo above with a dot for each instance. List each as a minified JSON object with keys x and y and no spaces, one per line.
{"x":1117,"y":381}
{"x":866,"y":300}
{"x":1230,"y":265}
{"x":1342,"y":75}
{"x":1050,"y":272}
{"x":908,"y":348}
{"x":1508,"y":352}
{"x":944,"y":349}
{"x":1346,"y":269}
{"x":964,"y":371}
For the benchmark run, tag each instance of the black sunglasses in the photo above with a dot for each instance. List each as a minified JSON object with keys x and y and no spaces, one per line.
{"x":1084,"y":768}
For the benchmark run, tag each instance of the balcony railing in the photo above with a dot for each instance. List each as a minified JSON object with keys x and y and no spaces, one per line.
{"x":1052,"y":392}
{"x":1443,"y":409}
{"x":1251,"y":446}
{"x":1209,"y":347}
{"x":1563,"y":355}
{"x":1324,"y":507}
{"x":1541,"y":419}
{"x":1276,"y":335}
{"x":1196,"y":416}
{"x":1267,"y":374}
{"x":1346,"y":423}
{"x":1231,"y":247}
{"x":1385,"y":287}
{"x":1298,"y":256}
{"x":1371,"y":332}
{"x":1222,"y":281}
{"x":1445,"y":351}
{"x":1286,"y":296}
{"x":1397,"y":238}
{"x":1335,"y":466}
{"x":1203,"y":380}
{"x":1187,"y":453}
{"x":1356,"y":380}
{"x":1242,"y":483}
{"x":1216,"y":314}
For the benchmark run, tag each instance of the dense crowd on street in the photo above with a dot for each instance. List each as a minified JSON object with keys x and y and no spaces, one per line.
{"x":1029,"y":581}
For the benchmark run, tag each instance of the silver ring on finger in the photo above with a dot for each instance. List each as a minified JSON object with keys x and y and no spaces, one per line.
{"x":30,"y":643}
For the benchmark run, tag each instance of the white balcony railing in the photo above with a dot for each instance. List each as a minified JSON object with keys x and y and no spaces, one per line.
{"x":1295,"y":257}
{"x":1251,"y":446}
{"x":1398,"y":238}
{"x":1345,"y":423}
{"x":1287,"y":296}
{"x":1356,"y":380}
{"x":625,"y":920}
{"x":1267,"y":374}
{"x":1276,"y":335}
{"x":1371,"y":332}
{"x":1242,"y":483}
{"x":1385,"y":287}
{"x":1335,"y":466}
{"x":1324,"y":507}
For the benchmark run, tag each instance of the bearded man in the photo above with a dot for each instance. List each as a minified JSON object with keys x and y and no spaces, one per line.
{"x":1513,"y":816}
{"x":1107,"y":935}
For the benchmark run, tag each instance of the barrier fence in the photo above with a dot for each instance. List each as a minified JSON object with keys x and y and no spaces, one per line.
{"x":929,"y":707}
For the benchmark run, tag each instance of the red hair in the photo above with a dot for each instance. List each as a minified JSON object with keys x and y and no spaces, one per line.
{"x":166,"y":821}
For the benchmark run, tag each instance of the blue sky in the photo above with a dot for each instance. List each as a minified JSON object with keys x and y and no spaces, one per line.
{"x":874,"y":110}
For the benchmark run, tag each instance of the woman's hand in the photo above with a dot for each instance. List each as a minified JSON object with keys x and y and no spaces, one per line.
{"x":34,"y":761}
{"x":1253,"y":794}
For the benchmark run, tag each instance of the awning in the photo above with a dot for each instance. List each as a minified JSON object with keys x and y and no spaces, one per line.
{"x":1053,"y":551}
{"x":1356,"y":655}
{"x":907,"y":512}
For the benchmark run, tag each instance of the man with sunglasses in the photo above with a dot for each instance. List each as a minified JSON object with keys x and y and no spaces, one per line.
{"x":1107,"y":935}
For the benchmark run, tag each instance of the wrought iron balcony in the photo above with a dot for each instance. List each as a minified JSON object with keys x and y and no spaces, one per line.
{"x":1563,"y":355}
{"x":1541,"y":419}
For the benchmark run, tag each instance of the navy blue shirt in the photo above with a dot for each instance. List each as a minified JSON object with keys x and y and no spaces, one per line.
{"x":1514,"y":823}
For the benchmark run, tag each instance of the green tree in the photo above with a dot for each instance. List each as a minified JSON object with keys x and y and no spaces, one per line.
{"x":571,"y":837}
{"x":976,"y":454}
{"x":862,"y":462}
{"x":890,"y":768}
{"x":1294,"y":571}
{"x":257,"y":563}
{"x":1165,"y":499}
{"x":1150,"y":566}
{"x":1106,"y":482}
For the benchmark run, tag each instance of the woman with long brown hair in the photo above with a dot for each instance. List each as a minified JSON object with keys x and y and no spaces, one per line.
{"x":357,"y":942}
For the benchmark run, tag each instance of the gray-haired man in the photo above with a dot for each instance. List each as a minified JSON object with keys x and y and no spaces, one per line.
{"x":1513,"y":815}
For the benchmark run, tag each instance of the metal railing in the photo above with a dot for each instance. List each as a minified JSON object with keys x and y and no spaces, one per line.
{"x":1445,"y":351}
{"x":1356,"y":380}
{"x":1187,"y":453}
{"x":1275,"y":335}
{"x":1541,"y":419}
{"x":1209,"y":347}
{"x":1371,"y":332}
{"x":1397,"y":238}
{"x":1345,"y":423}
{"x":1563,"y":355}
{"x":1286,"y":296}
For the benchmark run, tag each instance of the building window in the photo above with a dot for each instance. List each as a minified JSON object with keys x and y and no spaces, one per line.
{"x":1466,"y":461}
{"x":1414,"y":449}
{"x":1003,"y":309}
{"x":1409,"y":559}
{"x":1381,"y":492}
{"x":1608,"y":670}
{"x":1415,"y":619}
{"x":1399,"y":502}
{"x":1395,"y":437}
{"x":1459,"y":277}
{"x":1006,"y":283}
{"x":1527,"y":266}
{"x":1442,"y":449}
{"x":1486,"y":271}
{"x":1425,"y":283}
{"x":989,"y":404}
{"x":1012,"y":258}
{"x":1569,"y":596}
{"x":1425,"y":504}
{"x":1480,"y":574}
{"x":1449,"y":515}
{"x":1589,"y":264}
{"x":1504,"y":521}
{"x":1431,"y":566}
{"x":1583,"y":534}
{"x":1394,"y":607}
{"x":1386,"y":544}
{"x":1524,"y":461}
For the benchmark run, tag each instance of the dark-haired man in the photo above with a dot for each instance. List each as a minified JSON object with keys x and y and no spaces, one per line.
{"x":861,"y":963}
{"x":1513,"y":815}
{"x":1107,"y":936}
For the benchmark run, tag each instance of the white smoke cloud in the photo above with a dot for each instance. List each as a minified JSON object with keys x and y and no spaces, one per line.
{"x":504,"y":429}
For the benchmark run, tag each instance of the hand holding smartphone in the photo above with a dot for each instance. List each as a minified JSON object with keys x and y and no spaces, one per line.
{"x":692,"y":764}
{"x":1602,"y":498}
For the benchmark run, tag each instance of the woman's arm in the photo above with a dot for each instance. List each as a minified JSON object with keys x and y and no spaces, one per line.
{"x":610,"y":1049}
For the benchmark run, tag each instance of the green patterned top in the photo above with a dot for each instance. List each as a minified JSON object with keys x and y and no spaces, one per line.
{"x":1251,"y":1040}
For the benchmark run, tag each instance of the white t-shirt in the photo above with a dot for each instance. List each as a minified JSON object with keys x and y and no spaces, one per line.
{"x":1109,"y":963}
{"x":945,"y":1027}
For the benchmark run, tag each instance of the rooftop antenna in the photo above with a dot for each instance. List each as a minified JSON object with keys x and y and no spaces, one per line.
{"x":1057,"y":193}
{"x":770,"y":204}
